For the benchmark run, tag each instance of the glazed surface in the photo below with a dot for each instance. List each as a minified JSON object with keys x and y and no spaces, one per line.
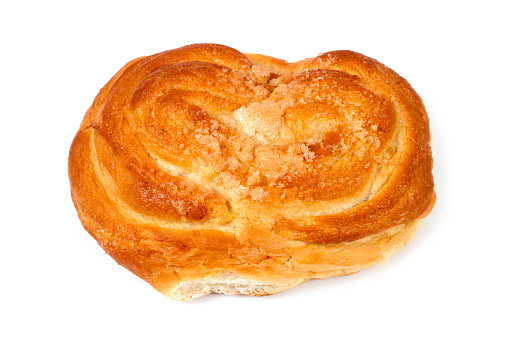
{"x":203,"y":161}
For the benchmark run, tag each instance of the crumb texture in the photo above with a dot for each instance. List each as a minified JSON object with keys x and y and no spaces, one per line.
{"x":205,"y":170}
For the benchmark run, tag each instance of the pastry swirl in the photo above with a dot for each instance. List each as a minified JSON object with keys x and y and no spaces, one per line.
{"x":202,"y":169}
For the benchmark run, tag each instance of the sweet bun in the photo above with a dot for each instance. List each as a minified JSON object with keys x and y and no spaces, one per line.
{"x":205,"y":170}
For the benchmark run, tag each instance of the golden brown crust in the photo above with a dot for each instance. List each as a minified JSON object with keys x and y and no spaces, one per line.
{"x":206,"y":164}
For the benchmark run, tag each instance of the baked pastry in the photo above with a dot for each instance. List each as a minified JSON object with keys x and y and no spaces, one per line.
{"x":205,"y":170}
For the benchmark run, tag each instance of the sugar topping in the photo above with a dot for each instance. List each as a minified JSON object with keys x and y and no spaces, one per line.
{"x":264,"y":121}
{"x":275,"y":164}
{"x":258,"y":194}
{"x":261,"y":72}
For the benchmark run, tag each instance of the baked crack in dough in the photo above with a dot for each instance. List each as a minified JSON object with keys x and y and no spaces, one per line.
{"x":205,"y":170}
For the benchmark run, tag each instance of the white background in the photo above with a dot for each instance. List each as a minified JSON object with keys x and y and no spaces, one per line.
{"x":450,"y":281}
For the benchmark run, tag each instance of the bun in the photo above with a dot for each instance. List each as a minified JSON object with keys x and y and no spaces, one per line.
{"x":205,"y":170}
